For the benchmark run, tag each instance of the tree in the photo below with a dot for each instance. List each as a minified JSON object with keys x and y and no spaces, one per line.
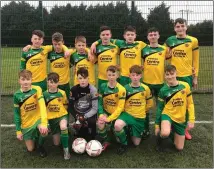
{"x":159,"y":17}
{"x":203,"y":31}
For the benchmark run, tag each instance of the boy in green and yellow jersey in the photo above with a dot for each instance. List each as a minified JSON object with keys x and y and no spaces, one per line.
{"x":80,"y":59}
{"x":57,"y":104}
{"x":30,"y":113}
{"x":106,"y":54}
{"x":138,"y":102}
{"x":153,"y":68}
{"x":34,"y":58}
{"x":130,"y":52}
{"x":110,"y":104}
{"x":174,"y":99}
{"x":184,"y":55}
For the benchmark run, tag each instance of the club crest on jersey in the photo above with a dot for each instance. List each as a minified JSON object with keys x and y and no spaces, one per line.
{"x":123,"y":94}
{"x":112,"y":50}
{"x":34,"y":96}
{"x":160,"y":53}
{"x":142,"y":93}
{"x":136,"y":47}
{"x":182,"y":91}
{"x":186,"y":44}
{"x":116,"y":95}
{"x":42,"y":53}
{"x":59,"y":99}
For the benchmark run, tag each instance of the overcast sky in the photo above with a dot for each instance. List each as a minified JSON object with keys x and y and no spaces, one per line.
{"x":198,"y":10}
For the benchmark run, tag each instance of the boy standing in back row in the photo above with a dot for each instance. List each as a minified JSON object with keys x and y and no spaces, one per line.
{"x":184,"y":56}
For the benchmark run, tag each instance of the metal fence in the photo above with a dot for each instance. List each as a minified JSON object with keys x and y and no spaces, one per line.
{"x":72,"y":18}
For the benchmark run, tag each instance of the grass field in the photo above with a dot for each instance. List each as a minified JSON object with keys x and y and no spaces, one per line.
{"x":198,"y":153}
{"x":11,"y":61}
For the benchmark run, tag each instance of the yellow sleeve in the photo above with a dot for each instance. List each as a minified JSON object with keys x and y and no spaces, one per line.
{"x":64,"y":48}
{"x":65,"y":100}
{"x":142,"y":44}
{"x":72,"y":51}
{"x":190,"y":105}
{"x":120,"y":107}
{"x":43,"y":110}
{"x":195,"y":57}
{"x":48,"y":48}
{"x":149,"y":99}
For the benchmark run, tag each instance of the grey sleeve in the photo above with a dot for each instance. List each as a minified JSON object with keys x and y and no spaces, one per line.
{"x":94,"y":95}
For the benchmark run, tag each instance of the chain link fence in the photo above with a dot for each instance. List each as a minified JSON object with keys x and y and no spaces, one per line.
{"x":73,"y":18}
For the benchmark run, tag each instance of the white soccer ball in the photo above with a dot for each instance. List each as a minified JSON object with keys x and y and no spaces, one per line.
{"x":94,"y":148}
{"x":79,"y":145}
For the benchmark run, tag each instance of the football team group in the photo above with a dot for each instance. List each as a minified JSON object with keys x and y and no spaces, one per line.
{"x":133,"y":77}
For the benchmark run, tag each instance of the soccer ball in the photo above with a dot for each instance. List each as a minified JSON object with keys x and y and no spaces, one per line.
{"x":94,"y":148}
{"x":79,"y":145}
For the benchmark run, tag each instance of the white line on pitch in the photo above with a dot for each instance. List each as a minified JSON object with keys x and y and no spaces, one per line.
{"x":152,"y":122}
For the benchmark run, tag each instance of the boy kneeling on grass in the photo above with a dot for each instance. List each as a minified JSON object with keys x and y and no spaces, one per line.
{"x":30,"y":114}
{"x":57,"y":103}
{"x":174,"y":99}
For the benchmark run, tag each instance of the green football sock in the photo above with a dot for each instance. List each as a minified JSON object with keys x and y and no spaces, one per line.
{"x":64,"y":138}
{"x":103,"y":134}
{"x":122,"y":136}
{"x":41,"y":140}
{"x":147,"y":122}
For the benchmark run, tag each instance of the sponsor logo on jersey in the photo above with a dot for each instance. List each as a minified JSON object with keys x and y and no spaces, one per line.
{"x":179,"y":53}
{"x":54,"y":108}
{"x":36,"y":62}
{"x":177,"y":102}
{"x":129,"y":54}
{"x":106,"y":58}
{"x":30,"y":107}
{"x":59,"y":65}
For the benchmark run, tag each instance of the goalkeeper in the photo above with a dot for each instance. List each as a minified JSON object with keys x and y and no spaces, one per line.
{"x":83,"y":106}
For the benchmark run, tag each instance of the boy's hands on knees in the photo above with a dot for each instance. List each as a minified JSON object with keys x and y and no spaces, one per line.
{"x":19,"y":137}
{"x":43,"y":130}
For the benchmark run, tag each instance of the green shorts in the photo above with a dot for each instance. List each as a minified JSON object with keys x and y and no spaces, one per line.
{"x":178,"y":128}
{"x":187,"y":79}
{"x":154,"y":88}
{"x":42,"y":84}
{"x":136,"y":124}
{"x":100,"y":82}
{"x":32,"y":132}
{"x":54,"y":124}
{"x":66,"y":88}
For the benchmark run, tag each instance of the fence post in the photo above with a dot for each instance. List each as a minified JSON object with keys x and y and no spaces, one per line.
{"x":132,"y":12}
{"x":42,"y":16}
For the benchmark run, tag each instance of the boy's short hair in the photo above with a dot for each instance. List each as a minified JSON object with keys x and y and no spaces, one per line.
{"x":104,"y":28}
{"x":57,"y":37}
{"x":180,"y":20}
{"x":25,"y":74}
{"x":129,"y":28}
{"x":112,"y":69}
{"x":170,"y":68}
{"x":152,"y":29}
{"x":39,"y":33}
{"x":83,"y":72}
{"x":80,"y":39}
{"x":135,"y":69}
{"x":54,"y":77}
